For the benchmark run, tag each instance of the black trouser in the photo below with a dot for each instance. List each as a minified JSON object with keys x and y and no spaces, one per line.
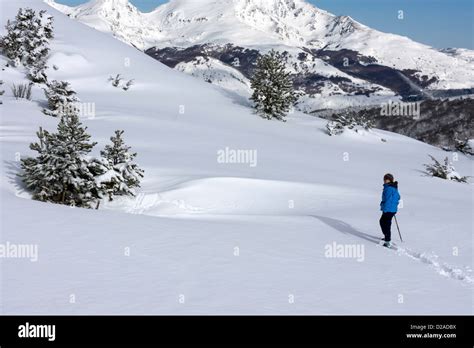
{"x":385,"y":224}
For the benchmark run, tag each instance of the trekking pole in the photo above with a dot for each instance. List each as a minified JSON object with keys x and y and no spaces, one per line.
{"x":398,"y":228}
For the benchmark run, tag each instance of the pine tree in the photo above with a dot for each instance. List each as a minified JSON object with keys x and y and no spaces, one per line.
{"x":273,"y":92}
{"x":464,"y":146}
{"x":339,"y":123}
{"x":12,"y":43}
{"x":108,"y":181}
{"x":334,"y":128}
{"x":61,"y":98}
{"x":126,"y":174}
{"x":37,"y":73}
{"x":365,"y":121}
{"x":27,"y":41}
{"x":444,"y":171}
{"x":2,"y":91}
{"x":33,"y":175}
{"x":346,"y":120}
{"x":60,"y":172}
{"x":47,"y":22}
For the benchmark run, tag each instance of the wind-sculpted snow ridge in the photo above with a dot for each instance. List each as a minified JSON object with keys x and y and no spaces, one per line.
{"x":239,"y":196}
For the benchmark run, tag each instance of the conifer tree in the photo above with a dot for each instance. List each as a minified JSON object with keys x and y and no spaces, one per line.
{"x":126,"y":174}
{"x":61,"y":99}
{"x":60,"y":172}
{"x":444,"y":170}
{"x":464,"y":146}
{"x":109,"y":182}
{"x":27,"y":41}
{"x":47,"y":21}
{"x":273,"y":91}
{"x":2,"y":91}
{"x":346,"y":120}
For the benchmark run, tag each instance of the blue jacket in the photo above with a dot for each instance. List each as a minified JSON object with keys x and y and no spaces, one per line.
{"x":390,"y":198}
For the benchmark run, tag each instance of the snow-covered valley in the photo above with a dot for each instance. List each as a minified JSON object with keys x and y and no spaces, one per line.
{"x":205,"y":236}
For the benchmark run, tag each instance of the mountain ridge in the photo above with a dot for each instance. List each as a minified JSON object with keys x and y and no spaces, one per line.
{"x":293,"y":26}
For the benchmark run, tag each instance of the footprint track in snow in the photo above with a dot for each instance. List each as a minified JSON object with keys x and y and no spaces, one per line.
{"x":440,"y":267}
{"x":201,"y":196}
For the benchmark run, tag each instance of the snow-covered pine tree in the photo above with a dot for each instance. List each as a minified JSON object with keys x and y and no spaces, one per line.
{"x":346,"y":120}
{"x":12,"y":42}
{"x":2,"y":91}
{"x":465,"y":146}
{"x":444,"y":171}
{"x":119,"y":159}
{"x":334,"y":128}
{"x":37,"y":73}
{"x":33,"y":175}
{"x":60,"y":172}
{"x":27,"y":41}
{"x":61,"y":98}
{"x":273,"y":91}
{"x":108,"y":180}
{"x":340,"y":122}
{"x":47,"y":21}
{"x":37,"y":69}
{"x":365,"y":121}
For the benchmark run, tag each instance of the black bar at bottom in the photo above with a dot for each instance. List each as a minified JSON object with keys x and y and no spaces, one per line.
{"x":290,"y":330}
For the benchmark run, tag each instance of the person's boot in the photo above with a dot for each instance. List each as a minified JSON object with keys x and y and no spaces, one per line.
{"x":387,"y":244}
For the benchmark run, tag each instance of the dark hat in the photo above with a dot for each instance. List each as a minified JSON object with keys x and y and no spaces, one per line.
{"x":388,"y":177}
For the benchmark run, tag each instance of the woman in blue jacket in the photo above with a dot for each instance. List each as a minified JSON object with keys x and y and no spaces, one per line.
{"x":388,"y":206}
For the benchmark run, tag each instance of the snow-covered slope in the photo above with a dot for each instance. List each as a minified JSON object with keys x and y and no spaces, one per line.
{"x":460,"y":53}
{"x":207,"y":236}
{"x":213,"y":71}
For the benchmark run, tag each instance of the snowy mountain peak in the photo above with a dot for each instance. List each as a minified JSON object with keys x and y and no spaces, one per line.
{"x":185,"y":22}
{"x":110,"y":4}
{"x":289,"y":22}
{"x":109,"y":7}
{"x":278,"y":7}
{"x":343,"y":25}
{"x":118,"y":17}
{"x":291,"y":25}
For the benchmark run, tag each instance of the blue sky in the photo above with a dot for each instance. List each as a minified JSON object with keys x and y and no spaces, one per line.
{"x":439,"y":23}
